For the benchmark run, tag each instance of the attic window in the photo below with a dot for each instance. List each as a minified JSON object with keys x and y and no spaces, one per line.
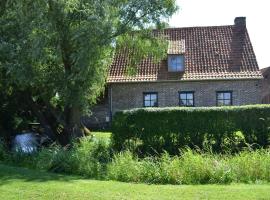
{"x":176,"y":51}
{"x":175,"y":63}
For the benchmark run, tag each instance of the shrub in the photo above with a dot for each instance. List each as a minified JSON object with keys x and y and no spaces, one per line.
{"x":56,"y":159}
{"x":124,"y":167}
{"x":165,"y":170}
{"x":192,"y":168}
{"x":3,"y":150}
{"x":87,"y":157}
{"x":251,"y":166}
{"x":45,"y":159}
{"x":94,"y":159}
{"x":91,"y":157}
{"x":152,"y":130}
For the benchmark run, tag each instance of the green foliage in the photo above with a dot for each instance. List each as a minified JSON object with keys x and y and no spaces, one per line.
{"x":95,"y":159}
{"x":92,"y":158}
{"x":13,"y":112}
{"x":56,"y":54}
{"x":55,"y":159}
{"x":250,"y":166}
{"x":219,"y":129}
{"x":3,"y":153}
{"x":124,"y":167}
{"x":192,"y":168}
{"x":139,"y":46}
{"x":87,"y":158}
{"x":64,"y":47}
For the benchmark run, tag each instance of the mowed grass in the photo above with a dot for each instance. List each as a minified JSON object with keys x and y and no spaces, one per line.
{"x":20,"y":183}
{"x":102,"y":135}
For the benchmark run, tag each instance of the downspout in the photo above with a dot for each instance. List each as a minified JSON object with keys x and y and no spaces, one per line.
{"x":111,"y":106}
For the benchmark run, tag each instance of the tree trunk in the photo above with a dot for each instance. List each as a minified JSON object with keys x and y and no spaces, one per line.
{"x":43,"y":121}
{"x":74,"y":127}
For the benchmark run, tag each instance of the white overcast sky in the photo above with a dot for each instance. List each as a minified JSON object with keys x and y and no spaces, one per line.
{"x":223,"y":12}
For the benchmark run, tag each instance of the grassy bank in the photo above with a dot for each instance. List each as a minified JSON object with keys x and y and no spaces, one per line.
{"x":94,"y":158}
{"x":19,"y":183}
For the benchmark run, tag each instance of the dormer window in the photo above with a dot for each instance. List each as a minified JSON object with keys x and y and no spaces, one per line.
{"x":176,"y":63}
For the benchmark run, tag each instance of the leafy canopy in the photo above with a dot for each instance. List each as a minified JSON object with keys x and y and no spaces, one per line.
{"x":60,"y":50}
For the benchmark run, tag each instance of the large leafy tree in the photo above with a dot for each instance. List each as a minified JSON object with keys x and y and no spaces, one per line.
{"x":57,"y":52}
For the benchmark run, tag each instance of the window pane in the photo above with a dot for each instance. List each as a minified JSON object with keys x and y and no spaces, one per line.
{"x":189,"y":102}
{"x":189,"y":96}
{"x":150,"y":99}
{"x":172,"y":63}
{"x":227,"y":95}
{"x":175,"y":63}
{"x":153,"y":96}
{"x":177,"y":59}
{"x":147,"y":103}
{"x":220,"y":102}
{"x":147,"y":97}
{"x":183,"y":96}
{"x":153,"y":103}
{"x":183,"y":102}
{"x":186,"y":99}
{"x":224,"y":98}
{"x":220,"y":95}
{"x":227,"y":102}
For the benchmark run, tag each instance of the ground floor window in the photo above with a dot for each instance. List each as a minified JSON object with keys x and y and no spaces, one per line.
{"x":224,"y":98}
{"x":150,"y":99}
{"x":186,"y":98}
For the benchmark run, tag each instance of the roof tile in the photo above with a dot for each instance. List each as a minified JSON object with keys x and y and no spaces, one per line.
{"x":215,"y":52}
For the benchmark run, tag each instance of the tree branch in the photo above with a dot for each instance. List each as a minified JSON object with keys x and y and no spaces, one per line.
{"x":3,"y":4}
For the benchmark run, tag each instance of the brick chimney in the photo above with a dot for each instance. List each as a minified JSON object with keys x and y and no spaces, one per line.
{"x":237,"y":46}
{"x":240,"y":22}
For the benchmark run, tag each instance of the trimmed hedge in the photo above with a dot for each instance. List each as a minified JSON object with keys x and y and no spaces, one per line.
{"x":153,"y":130}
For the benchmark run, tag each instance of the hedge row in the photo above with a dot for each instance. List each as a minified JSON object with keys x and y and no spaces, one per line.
{"x":151,"y":130}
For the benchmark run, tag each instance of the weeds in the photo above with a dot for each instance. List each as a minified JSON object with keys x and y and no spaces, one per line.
{"x":95,"y":159}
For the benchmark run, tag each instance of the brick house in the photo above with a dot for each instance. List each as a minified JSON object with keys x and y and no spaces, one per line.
{"x":205,"y":66}
{"x":266,"y":85}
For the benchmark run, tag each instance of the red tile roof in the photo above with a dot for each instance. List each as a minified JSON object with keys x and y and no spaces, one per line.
{"x":176,"y":47}
{"x":216,"y":52}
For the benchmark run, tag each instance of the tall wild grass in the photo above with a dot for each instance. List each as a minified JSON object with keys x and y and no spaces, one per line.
{"x":95,"y":159}
{"x":192,"y":168}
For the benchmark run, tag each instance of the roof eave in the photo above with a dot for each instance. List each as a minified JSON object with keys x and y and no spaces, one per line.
{"x":187,"y":80}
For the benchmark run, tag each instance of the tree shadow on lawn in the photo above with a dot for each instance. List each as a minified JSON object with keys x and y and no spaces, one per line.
{"x":10,"y":174}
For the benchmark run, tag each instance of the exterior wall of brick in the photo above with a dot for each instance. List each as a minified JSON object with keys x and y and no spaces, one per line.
{"x":99,"y":118}
{"x":266,"y":86}
{"x":122,"y":96}
{"x":130,"y":95}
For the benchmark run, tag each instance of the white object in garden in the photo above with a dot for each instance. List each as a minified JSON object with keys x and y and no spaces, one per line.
{"x":26,"y":143}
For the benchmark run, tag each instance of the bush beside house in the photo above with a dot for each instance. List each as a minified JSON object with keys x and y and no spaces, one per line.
{"x":218,"y":128}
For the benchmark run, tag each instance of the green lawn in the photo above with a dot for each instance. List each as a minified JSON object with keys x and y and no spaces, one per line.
{"x":102,"y":135}
{"x":19,"y":183}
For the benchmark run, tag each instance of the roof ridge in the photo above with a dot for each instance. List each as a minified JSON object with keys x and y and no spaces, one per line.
{"x":190,"y":27}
